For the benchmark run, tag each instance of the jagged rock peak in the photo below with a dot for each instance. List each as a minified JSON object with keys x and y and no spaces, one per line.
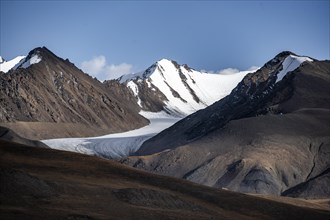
{"x":43,"y":52}
{"x":281,"y":57}
{"x":161,"y":65}
{"x":173,"y":62}
{"x":34,"y":56}
{"x":285,"y":54}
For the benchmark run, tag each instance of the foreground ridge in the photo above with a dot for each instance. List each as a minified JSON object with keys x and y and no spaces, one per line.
{"x":38,"y":182}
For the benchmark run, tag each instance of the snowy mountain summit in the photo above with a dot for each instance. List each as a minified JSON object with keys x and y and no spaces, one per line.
{"x":28,"y":61}
{"x":178,"y":89}
{"x":33,"y":57}
{"x":291,"y":63}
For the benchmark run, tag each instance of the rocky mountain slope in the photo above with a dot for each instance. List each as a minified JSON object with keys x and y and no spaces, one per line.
{"x":177,"y":89}
{"x":40,"y":183}
{"x":44,"y":96}
{"x":258,"y":93}
{"x":271,"y":135}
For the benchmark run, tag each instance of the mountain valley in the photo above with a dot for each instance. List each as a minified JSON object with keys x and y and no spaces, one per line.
{"x":169,"y":142}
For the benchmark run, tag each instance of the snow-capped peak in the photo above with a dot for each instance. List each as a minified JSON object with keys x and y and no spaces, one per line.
{"x":291,"y":63}
{"x":181,"y":89}
{"x":33,"y":57}
{"x":5,"y":66}
{"x":166,"y":63}
{"x":28,"y":61}
{"x":144,"y":74}
{"x":164,"y":60}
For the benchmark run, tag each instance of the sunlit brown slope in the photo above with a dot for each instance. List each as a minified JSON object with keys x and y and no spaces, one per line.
{"x":53,"y":98}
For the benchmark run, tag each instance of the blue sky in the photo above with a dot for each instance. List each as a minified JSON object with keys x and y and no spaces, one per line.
{"x":108,"y":38}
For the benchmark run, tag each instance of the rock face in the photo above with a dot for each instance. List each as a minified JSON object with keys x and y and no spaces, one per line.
{"x":271,"y":135}
{"x":44,"y":88}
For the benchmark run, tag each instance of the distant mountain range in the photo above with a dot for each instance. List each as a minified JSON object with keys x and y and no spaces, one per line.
{"x":45,"y":96}
{"x":267,"y":131}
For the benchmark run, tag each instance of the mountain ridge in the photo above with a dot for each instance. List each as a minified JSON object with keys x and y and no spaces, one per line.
{"x":46,"y":88}
{"x":276,"y":112}
{"x":178,"y":89}
{"x":245,"y":92}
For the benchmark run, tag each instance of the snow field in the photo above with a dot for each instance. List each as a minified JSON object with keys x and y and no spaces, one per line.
{"x":5,"y":66}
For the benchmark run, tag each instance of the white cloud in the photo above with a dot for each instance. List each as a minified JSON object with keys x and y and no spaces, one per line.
{"x":253,"y":68}
{"x":223,"y":72}
{"x":99,"y":68}
{"x":116,"y":71}
{"x":94,"y":66}
{"x":228,"y":71}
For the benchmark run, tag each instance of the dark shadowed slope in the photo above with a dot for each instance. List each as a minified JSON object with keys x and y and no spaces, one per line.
{"x":39,"y":183}
{"x":268,"y":155}
{"x":7,"y":135}
{"x":53,"y":98}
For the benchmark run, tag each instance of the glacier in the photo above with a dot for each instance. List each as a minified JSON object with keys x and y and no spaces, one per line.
{"x":119,"y":144}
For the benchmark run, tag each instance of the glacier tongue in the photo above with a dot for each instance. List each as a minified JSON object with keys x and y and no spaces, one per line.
{"x":119,"y":144}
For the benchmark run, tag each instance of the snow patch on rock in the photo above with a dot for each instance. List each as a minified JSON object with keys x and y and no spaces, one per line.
{"x":25,"y":63}
{"x":134,"y":88}
{"x":289,"y":64}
